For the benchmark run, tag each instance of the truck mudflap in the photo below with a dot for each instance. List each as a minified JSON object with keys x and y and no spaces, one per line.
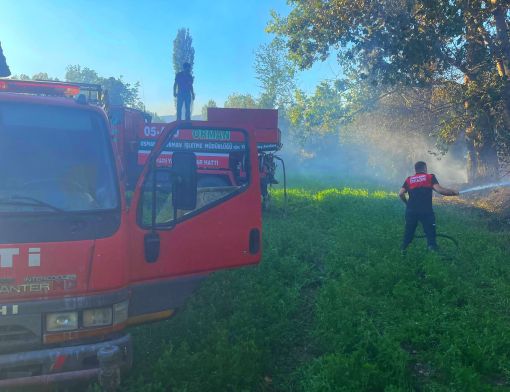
{"x":62,"y":365}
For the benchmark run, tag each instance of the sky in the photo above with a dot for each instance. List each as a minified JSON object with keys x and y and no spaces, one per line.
{"x":134,"y":38}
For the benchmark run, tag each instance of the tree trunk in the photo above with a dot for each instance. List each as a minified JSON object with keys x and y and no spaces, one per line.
{"x":506,"y":113}
{"x":482,"y":161}
{"x":503,"y":37}
{"x":483,"y":164}
{"x":503,"y":61}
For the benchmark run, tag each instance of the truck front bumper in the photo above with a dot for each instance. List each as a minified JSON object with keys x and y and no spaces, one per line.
{"x":59,"y":365}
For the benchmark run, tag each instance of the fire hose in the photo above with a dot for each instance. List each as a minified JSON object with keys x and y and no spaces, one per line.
{"x":453,"y":240}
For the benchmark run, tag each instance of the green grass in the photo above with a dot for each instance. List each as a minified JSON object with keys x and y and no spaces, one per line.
{"x":333,"y":306}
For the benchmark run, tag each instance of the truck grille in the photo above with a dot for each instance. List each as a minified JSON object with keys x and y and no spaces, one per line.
{"x":15,"y":337}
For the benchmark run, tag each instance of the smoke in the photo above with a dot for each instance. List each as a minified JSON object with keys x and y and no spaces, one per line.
{"x":373,"y":151}
{"x":378,"y":164}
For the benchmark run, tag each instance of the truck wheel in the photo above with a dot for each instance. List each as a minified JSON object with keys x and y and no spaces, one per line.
{"x":212,"y":182}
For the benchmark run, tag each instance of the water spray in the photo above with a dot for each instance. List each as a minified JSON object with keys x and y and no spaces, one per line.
{"x":483,"y":187}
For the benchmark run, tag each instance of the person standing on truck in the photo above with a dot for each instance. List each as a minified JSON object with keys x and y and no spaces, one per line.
{"x":419,"y":206}
{"x":183,"y":91}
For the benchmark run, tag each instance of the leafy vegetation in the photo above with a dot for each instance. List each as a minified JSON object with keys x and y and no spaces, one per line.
{"x":4,"y":68}
{"x":276,"y":75}
{"x":119,"y":91}
{"x":459,"y":47}
{"x":210,"y":104}
{"x":241,"y":101}
{"x":334,"y":306}
{"x":183,"y":51}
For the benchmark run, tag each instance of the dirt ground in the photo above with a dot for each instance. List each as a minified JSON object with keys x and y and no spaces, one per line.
{"x":493,"y":203}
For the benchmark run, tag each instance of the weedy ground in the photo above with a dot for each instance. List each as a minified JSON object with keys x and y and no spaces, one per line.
{"x":334,"y":306}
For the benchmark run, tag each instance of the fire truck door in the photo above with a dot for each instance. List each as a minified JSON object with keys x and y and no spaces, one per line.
{"x":180,"y":228}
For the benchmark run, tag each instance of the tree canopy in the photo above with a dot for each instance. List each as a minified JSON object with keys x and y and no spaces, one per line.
{"x":210,"y":104}
{"x":119,"y":92}
{"x":4,"y":68}
{"x":318,"y":114}
{"x":462,"y":46}
{"x":183,"y":49}
{"x":242,"y":101}
{"x":276,"y":74}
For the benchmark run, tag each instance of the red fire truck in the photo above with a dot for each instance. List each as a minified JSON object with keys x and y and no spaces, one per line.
{"x":218,"y":153}
{"x":81,"y":258}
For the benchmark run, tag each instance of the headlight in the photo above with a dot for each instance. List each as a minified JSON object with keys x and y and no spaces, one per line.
{"x":97,"y":317}
{"x":64,"y":321}
{"x":120,"y":312}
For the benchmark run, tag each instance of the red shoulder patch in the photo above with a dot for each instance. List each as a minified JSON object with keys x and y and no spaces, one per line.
{"x":420,"y":180}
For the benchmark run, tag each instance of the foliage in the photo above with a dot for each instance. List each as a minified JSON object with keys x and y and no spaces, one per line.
{"x":375,"y":121}
{"x":119,"y":92}
{"x":4,"y":68}
{"x":210,"y":104}
{"x":378,"y":131}
{"x":183,"y":50}
{"x":155,"y":117}
{"x":22,"y":77}
{"x":405,"y":123}
{"x":37,"y":76}
{"x":276,"y":75}
{"x":334,"y":307}
{"x":242,"y":101}
{"x":417,"y":43}
{"x":412,"y":41}
{"x":41,"y":76}
{"x":316,"y":115}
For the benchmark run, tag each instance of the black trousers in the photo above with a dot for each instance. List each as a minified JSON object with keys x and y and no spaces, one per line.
{"x":184,"y":99}
{"x":428,"y":221}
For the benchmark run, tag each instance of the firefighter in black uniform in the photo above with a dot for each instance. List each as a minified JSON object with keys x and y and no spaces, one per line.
{"x":419,"y":205}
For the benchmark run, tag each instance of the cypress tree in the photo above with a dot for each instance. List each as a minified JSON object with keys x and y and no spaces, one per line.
{"x":4,"y":68}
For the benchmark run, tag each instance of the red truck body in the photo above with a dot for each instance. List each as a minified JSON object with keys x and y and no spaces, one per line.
{"x":74,"y":276}
{"x":135,"y":135}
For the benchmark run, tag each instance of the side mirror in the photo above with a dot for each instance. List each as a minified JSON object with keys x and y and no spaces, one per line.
{"x":184,"y":173}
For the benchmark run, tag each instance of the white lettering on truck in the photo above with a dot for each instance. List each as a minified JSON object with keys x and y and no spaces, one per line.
{"x":7,"y":257}
{"x":34,"y":257}
{"x":4,"y":310}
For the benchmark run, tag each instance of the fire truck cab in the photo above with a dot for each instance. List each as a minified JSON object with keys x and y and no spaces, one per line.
{"x":82,"y":258}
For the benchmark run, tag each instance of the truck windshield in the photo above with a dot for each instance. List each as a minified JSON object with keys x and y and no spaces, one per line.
{"x":54,"y":159}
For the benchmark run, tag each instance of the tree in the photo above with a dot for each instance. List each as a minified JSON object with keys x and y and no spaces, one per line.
{"x":241,"y":101}
{"x":318,"y":115}
{"x":75,"y":73}
{"x":21,"y":77}
{"x":37,"y":76}
{"x":155,"y":118}
{"x":183,"y":49}
{"x":210,"y":104}
{"x":461,"y":45}
{"x":119,"y":92}
{"x":4,"y":68}
{"x":42,"y":76}
{"x":275,"y":73}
